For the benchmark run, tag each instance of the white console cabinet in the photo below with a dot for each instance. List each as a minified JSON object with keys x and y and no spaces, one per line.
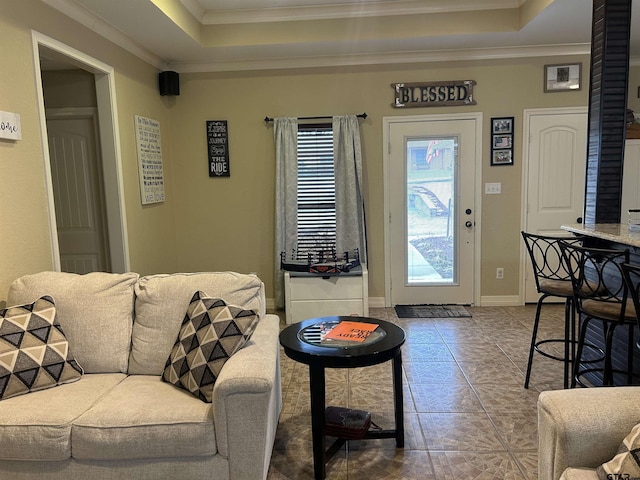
{"x":309,"y":295}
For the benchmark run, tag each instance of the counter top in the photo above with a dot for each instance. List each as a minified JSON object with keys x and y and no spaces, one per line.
{"x":613,"y":232}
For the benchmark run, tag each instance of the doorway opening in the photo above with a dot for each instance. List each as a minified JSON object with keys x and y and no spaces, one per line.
{"x":48,"y":51}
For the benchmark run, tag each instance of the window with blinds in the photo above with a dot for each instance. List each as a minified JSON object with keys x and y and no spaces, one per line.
{"x":316,"y":189}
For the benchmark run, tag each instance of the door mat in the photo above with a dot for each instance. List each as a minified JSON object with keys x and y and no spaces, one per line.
{"x":431,"y":311}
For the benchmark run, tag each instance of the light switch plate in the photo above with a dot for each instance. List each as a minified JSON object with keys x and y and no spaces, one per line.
{"x":492,"y":188}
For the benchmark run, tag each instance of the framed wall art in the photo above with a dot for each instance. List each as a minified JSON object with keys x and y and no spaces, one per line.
{"x":563,"y":77}
{"x":502,"y":141}
{"x":150,"y":170}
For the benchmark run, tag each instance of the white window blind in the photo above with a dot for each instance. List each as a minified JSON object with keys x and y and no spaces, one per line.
{"x":316,"y":190}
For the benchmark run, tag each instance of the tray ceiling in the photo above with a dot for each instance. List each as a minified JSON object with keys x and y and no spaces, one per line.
{"x":227,"y":35}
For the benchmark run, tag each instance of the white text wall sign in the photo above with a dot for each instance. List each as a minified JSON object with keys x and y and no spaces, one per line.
{"x":149,"y":160}
{"x":434,"y":94}
{"x":10,"y":126}
{"x":218,"y":148}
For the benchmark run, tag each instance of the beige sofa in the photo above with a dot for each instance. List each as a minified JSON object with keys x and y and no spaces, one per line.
{"x":119,"y":420}
{"x":580,"y":429}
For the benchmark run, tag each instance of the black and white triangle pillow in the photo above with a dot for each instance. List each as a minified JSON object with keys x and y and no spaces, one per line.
{"x":34,"y":352}
{"x":211,"y":332}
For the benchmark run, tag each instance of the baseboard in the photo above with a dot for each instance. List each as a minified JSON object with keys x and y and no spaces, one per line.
{"x":488,"y":301}
{"x":500,"y":301}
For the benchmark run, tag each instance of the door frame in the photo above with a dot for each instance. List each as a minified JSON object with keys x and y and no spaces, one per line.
{"x":386,"y":165}
{"x":109,"y":149}
{"x":527,"y":114}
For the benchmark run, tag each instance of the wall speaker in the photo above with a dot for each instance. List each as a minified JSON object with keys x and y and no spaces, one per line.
{"x":169,"y":83}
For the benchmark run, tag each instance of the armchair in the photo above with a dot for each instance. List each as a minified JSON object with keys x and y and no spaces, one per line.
{"x":580,"y":429}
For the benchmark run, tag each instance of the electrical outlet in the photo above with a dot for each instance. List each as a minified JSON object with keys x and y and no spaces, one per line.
{"x":500,"y":273}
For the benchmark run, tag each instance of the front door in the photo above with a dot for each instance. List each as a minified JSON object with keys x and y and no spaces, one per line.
{"x":431,"y":201}
{"x":555,"y":173}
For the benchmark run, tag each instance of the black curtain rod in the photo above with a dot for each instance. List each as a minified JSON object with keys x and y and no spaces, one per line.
{"x":269,"y":119}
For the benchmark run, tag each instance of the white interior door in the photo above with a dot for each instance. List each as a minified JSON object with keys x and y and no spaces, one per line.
{"x":555,"y":178}
{"x":78,"y":193}
{"x":431,"y":202}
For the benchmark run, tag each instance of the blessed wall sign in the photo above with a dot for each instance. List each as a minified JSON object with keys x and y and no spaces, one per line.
{"x":434,"y":94}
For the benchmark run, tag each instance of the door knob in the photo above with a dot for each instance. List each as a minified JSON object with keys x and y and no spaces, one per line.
{"x":579,"y":220}
{"x":468,"y":224}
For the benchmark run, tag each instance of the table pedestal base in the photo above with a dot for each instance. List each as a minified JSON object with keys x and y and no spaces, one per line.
{"x":317,"y":387}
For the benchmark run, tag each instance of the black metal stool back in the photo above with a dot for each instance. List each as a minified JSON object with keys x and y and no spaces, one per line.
{"x":631,"y":272}
{"x":552,"y":280}
{"x":600,"y":293}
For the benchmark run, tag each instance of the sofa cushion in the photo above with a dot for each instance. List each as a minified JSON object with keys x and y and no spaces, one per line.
{"x":161,"y":302}
{"x":211,"y":332}
{"x":626,"y":462}
{"x":38,"y":426}
{"x":95,"y":311}
{"x":34,"y":353}
{"x":143,"y":417}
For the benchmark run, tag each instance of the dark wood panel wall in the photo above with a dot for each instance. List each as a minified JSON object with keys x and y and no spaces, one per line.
{"x":607,"y":110}
{"x":611,"y":26}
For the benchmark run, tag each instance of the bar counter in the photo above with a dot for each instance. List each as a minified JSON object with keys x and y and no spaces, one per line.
{"x":614,"y":236}
{"x":616,"y":233}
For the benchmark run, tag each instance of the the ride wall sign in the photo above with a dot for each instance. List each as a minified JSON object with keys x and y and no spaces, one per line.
{"x":434,"y":94}
{"x":218,"y":148}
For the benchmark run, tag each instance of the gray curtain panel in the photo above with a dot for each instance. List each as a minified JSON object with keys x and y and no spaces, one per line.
{"x":285,"y":132}
{"x":347,"y":154}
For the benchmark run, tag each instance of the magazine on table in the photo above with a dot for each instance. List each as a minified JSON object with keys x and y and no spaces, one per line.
{"x":350,"y":331}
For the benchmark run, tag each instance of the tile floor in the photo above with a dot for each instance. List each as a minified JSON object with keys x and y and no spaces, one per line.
{"x":467,"y":415}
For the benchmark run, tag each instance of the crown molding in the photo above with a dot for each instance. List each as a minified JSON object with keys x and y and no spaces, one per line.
{"x":326,"y":12}
{"x":430,"y":56}
{"x":195,"y":8}
{"x":93,"y":22}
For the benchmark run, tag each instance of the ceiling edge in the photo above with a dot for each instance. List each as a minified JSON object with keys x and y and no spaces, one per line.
{"x":326,"y":12}
{"x":381,"y":59}
{"x":98,"y":25}
{"x":95,"y":23}
{"x":195,"y":8}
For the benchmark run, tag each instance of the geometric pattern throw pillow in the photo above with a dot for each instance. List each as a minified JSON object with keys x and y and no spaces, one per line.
{"x":34,"y":353}
{"x":626,"y":463}
{"x":210,"y":333}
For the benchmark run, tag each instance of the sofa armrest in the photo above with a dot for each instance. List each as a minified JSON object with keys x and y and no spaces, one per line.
{"x":247,"y":398}
{"x":583,"y":427}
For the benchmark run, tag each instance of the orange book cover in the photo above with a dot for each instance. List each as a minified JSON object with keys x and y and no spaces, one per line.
{"x":352,"y":331}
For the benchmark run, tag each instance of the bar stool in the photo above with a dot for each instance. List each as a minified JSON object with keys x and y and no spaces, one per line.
{"x":600,"y":294}
{"x":552,"y":280}
{"x":631,"y":273}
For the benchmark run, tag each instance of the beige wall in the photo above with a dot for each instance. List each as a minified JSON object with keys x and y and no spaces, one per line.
{"x":235,"y":215}
{"x":227,"y":223}
{"x":68,"y":88}
{"x":25,"y":245}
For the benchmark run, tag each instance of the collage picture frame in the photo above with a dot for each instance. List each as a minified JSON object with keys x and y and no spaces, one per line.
{"x":501,"y":141}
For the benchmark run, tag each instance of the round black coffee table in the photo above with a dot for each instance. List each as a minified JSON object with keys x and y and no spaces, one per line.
{"x":303,"y":342}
